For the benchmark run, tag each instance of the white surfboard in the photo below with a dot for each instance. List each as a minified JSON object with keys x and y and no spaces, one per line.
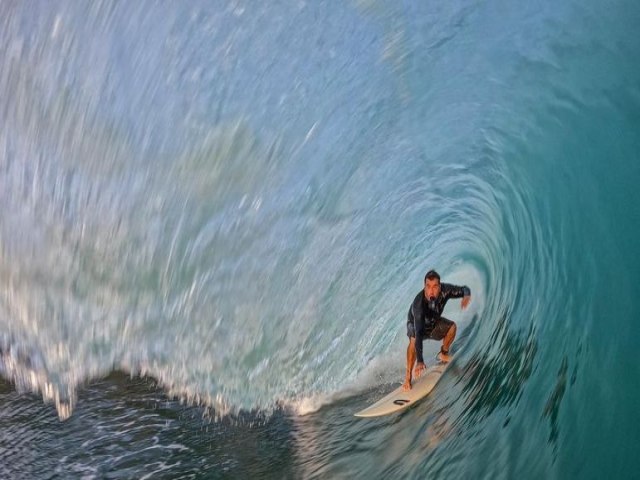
{"x":399,"y":399}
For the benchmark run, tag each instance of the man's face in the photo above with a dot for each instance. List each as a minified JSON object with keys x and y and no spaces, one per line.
{"x":432,"y":288}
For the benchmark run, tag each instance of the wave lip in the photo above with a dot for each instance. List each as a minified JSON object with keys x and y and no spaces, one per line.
{"x":26,"y":369}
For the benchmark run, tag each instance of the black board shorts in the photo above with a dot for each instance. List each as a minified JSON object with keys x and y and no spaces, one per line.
{"x":437,"y":332}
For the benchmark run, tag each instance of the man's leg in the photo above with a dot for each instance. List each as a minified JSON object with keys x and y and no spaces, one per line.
{"x":449,"y":337}
{"x":444,"y":330}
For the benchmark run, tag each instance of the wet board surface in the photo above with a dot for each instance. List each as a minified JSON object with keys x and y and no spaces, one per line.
{"x":398,"y":399}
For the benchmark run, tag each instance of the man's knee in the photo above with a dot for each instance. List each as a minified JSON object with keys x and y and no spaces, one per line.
{"x":452,"y":329}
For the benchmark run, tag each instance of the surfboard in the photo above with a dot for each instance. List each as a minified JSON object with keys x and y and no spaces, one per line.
{"x":399,"y":399}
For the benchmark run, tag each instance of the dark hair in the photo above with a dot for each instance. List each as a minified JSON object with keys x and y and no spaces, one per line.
{"x":431,"y":275}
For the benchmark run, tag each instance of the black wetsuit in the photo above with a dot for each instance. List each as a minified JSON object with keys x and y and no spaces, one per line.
{"x":425,"y":316}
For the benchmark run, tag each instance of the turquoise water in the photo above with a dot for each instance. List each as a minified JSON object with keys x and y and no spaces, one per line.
{"x":234,"y":204}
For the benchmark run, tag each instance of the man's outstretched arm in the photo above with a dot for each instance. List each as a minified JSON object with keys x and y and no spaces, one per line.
{"x":456,"y":291}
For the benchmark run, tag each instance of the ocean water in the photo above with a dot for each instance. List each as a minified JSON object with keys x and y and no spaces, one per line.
{"x":216,"y":214}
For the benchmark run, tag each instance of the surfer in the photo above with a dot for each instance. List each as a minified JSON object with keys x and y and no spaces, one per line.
{"x":425,"y":320}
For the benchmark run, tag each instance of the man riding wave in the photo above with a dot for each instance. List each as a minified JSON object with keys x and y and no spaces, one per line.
{"x":425,"y":320}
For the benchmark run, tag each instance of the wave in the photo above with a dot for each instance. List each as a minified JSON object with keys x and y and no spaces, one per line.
{"x":249,"y":227}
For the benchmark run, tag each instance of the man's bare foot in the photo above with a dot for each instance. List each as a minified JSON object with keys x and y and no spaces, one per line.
{"x":406,"y":386}
{"x":444,"y":357}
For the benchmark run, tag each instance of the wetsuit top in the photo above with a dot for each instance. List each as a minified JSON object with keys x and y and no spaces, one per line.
{"x":424,"y":313}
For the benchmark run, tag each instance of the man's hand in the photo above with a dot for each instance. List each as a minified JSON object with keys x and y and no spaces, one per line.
{"x":419,"y":369}
{"x":465,"y":301}
{"x":406,"y":386}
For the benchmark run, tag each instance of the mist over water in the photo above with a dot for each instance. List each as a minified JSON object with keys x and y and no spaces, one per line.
{"x":240,"y":201}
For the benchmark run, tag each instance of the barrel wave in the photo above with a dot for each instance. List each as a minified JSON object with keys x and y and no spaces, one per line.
{"x":240,"y":201}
